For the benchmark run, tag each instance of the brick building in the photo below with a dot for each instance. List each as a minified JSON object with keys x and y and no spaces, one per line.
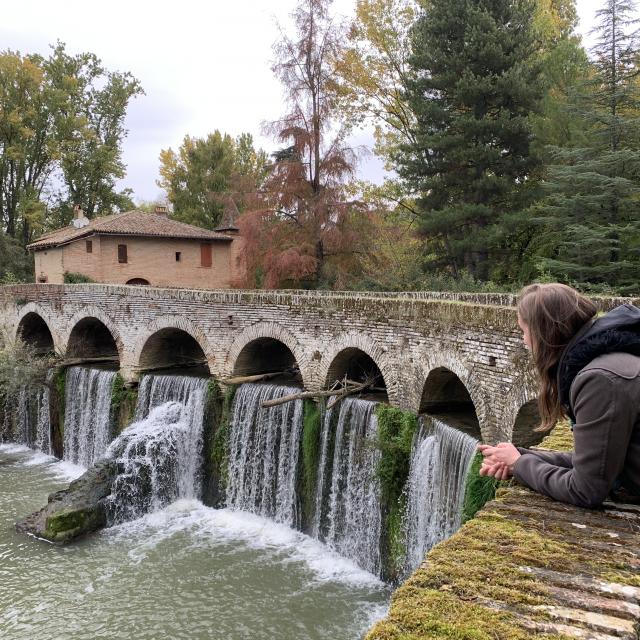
{"x":141,"y":248}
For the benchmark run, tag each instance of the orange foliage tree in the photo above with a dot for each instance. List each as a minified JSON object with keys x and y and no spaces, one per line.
{"x":304,"y":230}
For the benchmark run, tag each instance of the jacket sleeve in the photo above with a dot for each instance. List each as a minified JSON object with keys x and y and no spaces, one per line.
{"x":604,"y":421}
{"x":558,"y":458}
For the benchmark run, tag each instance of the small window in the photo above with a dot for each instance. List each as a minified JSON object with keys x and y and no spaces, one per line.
{"x":122,"y":253}
{"x":89,"y":246}
{"x":205,"y":255}
{"x":178,"y":256}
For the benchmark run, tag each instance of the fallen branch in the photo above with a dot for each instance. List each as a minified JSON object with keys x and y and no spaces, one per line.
{"x":257,"y":377}
{"x":346,"y":390}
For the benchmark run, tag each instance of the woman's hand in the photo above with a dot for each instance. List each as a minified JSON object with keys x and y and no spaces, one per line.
{"x":499,"y":460}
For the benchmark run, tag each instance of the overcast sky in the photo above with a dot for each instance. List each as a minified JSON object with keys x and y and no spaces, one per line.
{"x":203,"y":65}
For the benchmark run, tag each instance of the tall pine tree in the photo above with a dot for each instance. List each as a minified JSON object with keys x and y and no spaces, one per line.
{"x":474,"y":85}
{"x":591,"y":212}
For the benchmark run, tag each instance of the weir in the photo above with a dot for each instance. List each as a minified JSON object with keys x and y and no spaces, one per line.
{"x":87,"y":423}
{"x":25,"y":419}
{"x":160,"y":453}
{"x":350,"y":513}
{"x":264,"y":449}
{"x":440,"y":463}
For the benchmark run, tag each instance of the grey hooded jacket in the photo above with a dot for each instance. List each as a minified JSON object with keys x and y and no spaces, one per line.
{"x":599,"y":386}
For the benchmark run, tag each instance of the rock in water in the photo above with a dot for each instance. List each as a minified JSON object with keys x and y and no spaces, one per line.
{"x":75,"y":511}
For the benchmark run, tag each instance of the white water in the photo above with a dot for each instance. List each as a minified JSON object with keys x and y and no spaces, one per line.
{"x":264,"y":453}
{"x":43,"y":426}
{"x":352,"y":510}
{"x":26,"y":416}
{"x":440,"y":462}
{"x":87,"y":421}
{"x":161,"y":451}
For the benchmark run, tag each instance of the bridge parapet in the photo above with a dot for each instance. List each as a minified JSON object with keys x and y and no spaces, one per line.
{"x":474,"y":337}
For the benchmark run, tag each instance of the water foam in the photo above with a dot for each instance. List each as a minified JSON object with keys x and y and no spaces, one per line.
{"x":210,"y":527}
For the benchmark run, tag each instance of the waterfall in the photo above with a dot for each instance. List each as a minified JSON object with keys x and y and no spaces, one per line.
{"x":440,"y":461}
{"x":160,"y":453}
{"x":43,"y":425}
{"x":87,"y":422}
{"x":23,"y":431}
{"x":264,"y":452}
{"x":26,"y":416}
{"x":351,"y":512}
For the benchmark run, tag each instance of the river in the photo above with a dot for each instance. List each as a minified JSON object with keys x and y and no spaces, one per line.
{"x":187,"y":571}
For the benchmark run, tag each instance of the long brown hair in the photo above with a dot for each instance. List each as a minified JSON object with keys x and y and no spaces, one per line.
{"x":554,"y":313}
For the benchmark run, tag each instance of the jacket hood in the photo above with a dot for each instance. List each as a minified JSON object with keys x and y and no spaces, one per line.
{"x":616,"y":332}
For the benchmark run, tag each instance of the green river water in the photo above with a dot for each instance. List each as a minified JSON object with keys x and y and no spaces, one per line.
{"x":185,"y":572}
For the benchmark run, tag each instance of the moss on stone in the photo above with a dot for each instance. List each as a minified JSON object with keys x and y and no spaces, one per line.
{"x":396,"y":429}
{"x":71,"y":522}
{"x":478,"y":489}
{"x":311,"y":432}
{"x":417,"y":614}
{"x":560,"y":438}
{"x":220,"y":440}
{"x":123,"y":404}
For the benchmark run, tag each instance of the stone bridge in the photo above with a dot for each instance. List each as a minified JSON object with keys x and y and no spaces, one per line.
{"x":455,"y":356}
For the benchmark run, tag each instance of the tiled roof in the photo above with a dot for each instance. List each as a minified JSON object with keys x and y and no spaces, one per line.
{"x":129,"y":223}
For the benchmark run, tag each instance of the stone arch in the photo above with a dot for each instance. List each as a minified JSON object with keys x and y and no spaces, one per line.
{"x":49,"y":321}
{"x":521,"y":415}
{"x":138,"y":281}
{"x":450,"y":392}
{"x":170,"y":331}
{"x":34,"y":331}
{"x":261,"y":340}
{"x":350,"y":344}
{"x":93,"y":334}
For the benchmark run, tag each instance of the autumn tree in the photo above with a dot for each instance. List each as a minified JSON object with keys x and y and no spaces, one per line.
{"x":205,"y":172}
{"x":306,"y":230}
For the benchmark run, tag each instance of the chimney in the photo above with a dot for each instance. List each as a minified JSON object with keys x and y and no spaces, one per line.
{"x":79,"y":219}
{"x":162,"y":211}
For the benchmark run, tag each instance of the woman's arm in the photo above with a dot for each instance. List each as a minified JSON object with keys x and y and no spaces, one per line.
{"x":604,"y":421}
{"x":558,"y":458}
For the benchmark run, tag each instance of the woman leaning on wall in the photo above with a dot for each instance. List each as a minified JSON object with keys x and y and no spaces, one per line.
{"x":589,"y":372}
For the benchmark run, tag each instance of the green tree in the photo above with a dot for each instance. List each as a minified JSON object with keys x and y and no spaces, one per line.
{"x":16,"y":265}
{"x":371,"y":68}
{"x":28,"y":142}
{"x":206,"y":172}
{"x":59,"y":115}
{"x":591,"y":212}
{"x":91,"y":132}
{"x":474,"y":85}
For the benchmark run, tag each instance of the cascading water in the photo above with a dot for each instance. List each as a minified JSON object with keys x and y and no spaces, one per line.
{"x":87,"y":423}
{"x":264,"y":452}
{"x":43,"y":426}
{"x":26,"y":416}
{"x":350,"y":513}
{"x":160,"y":453}
{"x":440,"y":462}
